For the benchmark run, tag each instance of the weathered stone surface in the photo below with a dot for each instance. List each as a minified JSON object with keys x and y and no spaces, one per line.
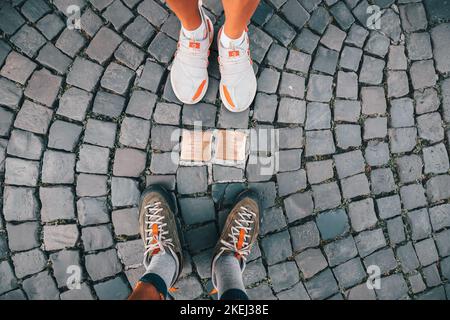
{"x":355,"y":171}
{"x":60,"y":236}
{"x":57,"y":203}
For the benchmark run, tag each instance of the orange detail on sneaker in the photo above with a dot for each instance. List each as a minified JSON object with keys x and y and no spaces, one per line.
{"x":194,"y":44}
{"x":228,"y":96}
{"x":155,"y":232}
{"x":199,"y":90}
{"x":213,"y":292}
{"x":233,"y":53}
{"x":240,"y":242}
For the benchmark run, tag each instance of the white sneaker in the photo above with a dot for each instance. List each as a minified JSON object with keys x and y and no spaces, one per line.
{"x":238,"y":80}
{"x":189,"y":74}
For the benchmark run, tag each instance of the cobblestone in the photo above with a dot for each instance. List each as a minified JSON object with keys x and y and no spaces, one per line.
{"x":363,"y":153}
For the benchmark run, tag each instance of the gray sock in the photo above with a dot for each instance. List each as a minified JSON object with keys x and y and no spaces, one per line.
{"x":164,"y":265}
{"x":228,"y":274}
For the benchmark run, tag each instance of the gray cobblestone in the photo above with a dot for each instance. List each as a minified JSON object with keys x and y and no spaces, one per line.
{"x":90,"y":185}
{"x":58,"y":237}
{"x":41,"y":286}
{"x":29,"y":40}
{"x":61,"y":261}
{"x":124,"y":192}
{"x":396,"y":230}
{"x":348,"y":111}
{"x":70,"y":42}
{"x":362,"y":214}
{"x":133,"y":93}
{"x":25,"y":145}
{"x":29,"y":262}
{"x":33,"y":117}
{"x":430,"y":127}
{"x":103,"y":45}
{"x":402,"y":139}
{"x":114,"y":289}
{"x":350,"y":273}
{"x":397,"y":58}
{"x":354,"y":186}
{"x":371,"y":70}
{"x":417,"y":284}
{"x":58,"y":167}
{"x":407,"y":257}
{"x":268,"y":80}
{"x":426,"y":251}
{"x":306,"y":41}
{"x":382,"y":181}
{"x":402,"y":113}
{"x":57,"y":203}
{"x":326,"y":196}
{"x":84,"y":74}
{"x":413,"y":17}
{"x":21,"y":172}
{"x":369,"y":241}
{"x":443,"y":243}
{"x":117,"y":78}
{"x":310,"y":262}
{"x":73,"y":104}
{"x":291,"y":111}
{"x":93,"y":159}
{"x":92,"y":211}
{"x":283,"y":275}
{"x":292,"y":85}
{"x":43,"y":94}
{"x":373,"y":100}
{"x":377,"y":44}
{"x":290,"y":182}
{"x":383,"y":258}
{"x":423,"y":74}
{"x":315,"y":286}
{"x":376,"y":153}
{"x":129,"y":162}
{"x":319,"y":171}
{"x":325,"y":61}
{"x":319,"y":143}
{"x":318,"y":116}
{"x":21,"y":237}
{"x":409,"y":168}
{"x":103,"y":264}
{"x":437,"y":188}
{"x":64,"y":135}
{"x":436,"y":159}
{"x":91,"y":22}
{"x":319,"y":20}
{"x":413,"y":196}
{"x":277,"y":247}
{"x":395,"y":288}
{"x":332,"y":223}
{"x":134,"y":132}
{"x":191,"y":180}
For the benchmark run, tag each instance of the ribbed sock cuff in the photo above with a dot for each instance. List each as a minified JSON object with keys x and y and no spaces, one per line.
{"x":157,"y":281}
{"x":234,"y":294}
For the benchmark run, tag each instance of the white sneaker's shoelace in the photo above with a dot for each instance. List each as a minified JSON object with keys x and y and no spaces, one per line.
{"x":158,"y":241}
{"x":243,"y":223}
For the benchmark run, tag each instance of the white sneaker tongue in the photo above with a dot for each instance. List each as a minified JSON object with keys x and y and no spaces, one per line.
{"x":197,"y":34}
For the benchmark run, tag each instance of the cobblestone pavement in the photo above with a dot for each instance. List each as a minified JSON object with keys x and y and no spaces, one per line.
{"x":85,"y":121}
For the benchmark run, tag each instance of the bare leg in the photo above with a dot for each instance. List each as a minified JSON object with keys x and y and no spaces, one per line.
{"x":237,"y":15}
{"x":145,"y":291}
{"x":187,"y":12}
